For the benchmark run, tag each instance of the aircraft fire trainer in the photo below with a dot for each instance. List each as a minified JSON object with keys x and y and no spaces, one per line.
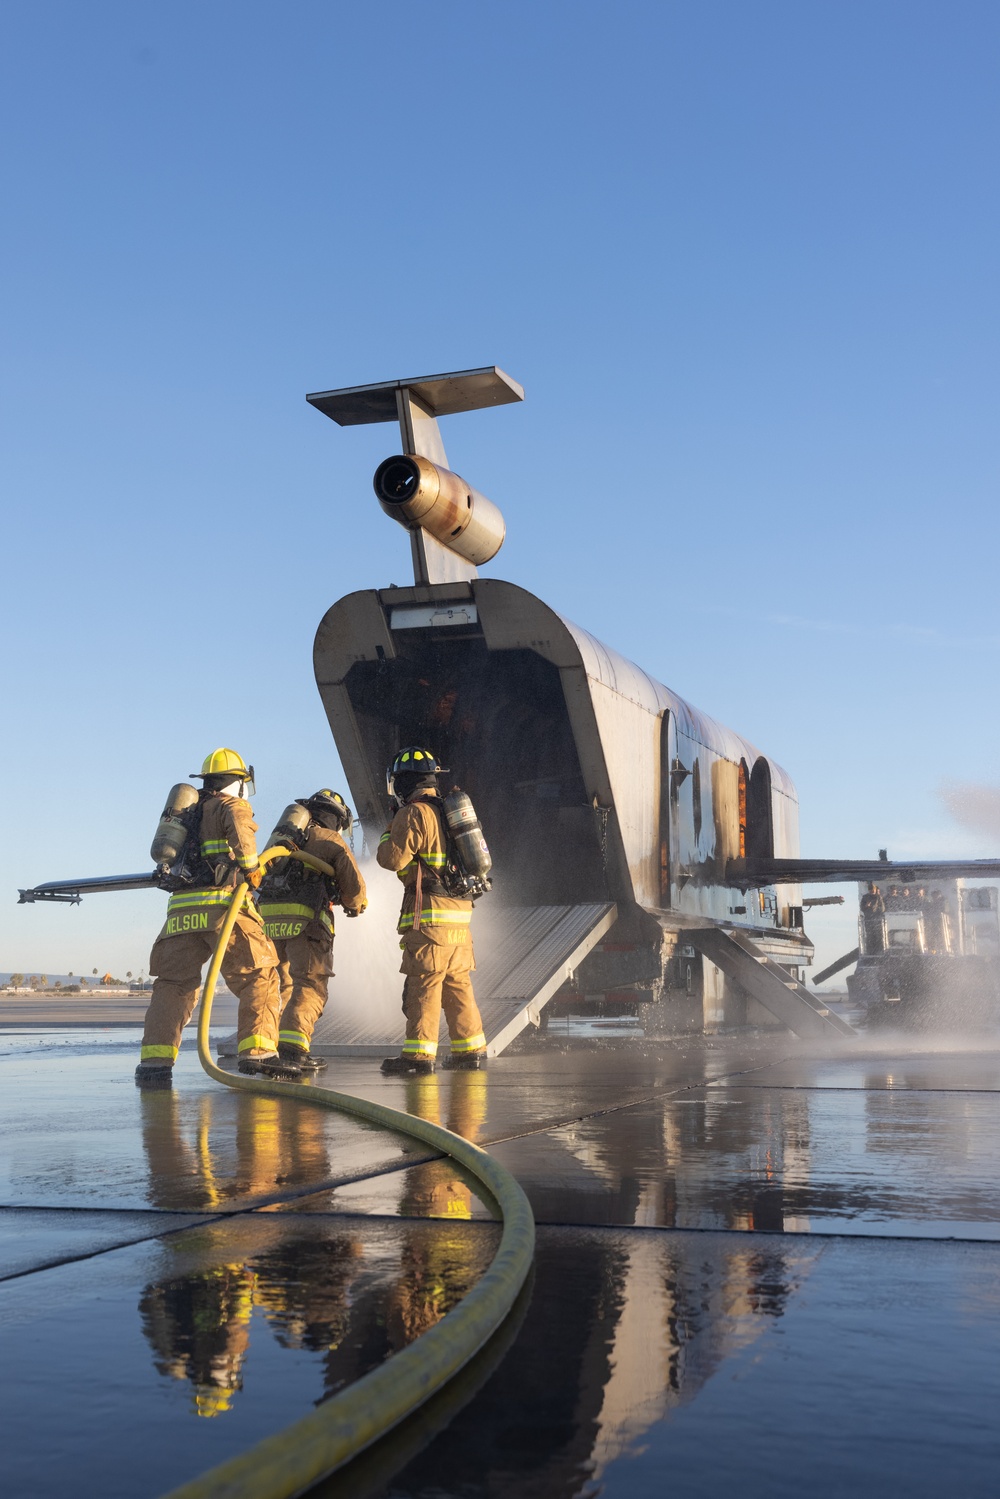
{"x":640,"y":850}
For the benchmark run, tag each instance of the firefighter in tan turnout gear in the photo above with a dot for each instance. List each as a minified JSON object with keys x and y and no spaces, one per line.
{"x":296,"y":904}
{"x":220,"y":852}
{"x":434,"y":926}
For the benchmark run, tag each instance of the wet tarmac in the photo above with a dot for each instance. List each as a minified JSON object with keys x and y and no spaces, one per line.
{"x":760,"y":1270}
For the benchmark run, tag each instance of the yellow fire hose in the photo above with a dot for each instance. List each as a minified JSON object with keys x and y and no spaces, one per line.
{"x":295,"y":1458}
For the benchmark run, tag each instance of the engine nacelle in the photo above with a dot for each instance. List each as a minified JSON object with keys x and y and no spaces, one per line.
{"x":421,"y":496}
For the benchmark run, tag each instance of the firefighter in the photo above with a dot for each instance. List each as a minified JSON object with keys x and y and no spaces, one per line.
{"x":434,"y":927}
{"x":296,"y":905}
{"x":226,"y":854}
{"x":872,"y":907}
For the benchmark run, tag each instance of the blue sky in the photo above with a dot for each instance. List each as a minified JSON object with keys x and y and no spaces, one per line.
{"x":741,"y":257}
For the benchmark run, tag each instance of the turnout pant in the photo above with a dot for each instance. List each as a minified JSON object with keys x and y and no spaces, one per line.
{"x":305,"y":968}
{"x":249,"y":967}
{"x":439,"y":977}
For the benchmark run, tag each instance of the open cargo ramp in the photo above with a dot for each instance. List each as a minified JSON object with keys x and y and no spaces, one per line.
{"x":771,"y":985}
{"x":523,"y":955}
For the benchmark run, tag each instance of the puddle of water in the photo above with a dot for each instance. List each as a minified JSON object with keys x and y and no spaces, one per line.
{"x":714,"y":1365}
{"x":168,"y":1356}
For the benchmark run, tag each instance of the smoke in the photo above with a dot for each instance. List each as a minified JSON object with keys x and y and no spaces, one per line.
{"x":974,"y":807}
{"x":368,"y":986}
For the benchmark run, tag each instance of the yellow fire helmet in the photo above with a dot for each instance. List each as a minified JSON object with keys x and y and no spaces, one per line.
{"x":226,"y":762}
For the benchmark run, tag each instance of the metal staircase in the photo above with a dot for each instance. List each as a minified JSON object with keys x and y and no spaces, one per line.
{"x":741,"y":959}
{"x":523,"y":955}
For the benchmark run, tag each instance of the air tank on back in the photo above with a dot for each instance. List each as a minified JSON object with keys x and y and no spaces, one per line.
{"x":292,"y":826}
{"x":172,"y":833}
{"x":471,"y":849}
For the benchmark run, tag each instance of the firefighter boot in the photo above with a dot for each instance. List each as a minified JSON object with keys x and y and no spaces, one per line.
{"x":154,"y":1075}
{"x":406,"y":1066}
{"x":465,"y":1061}
{"x":303,"y":1059}
{"x":270,"y":1065}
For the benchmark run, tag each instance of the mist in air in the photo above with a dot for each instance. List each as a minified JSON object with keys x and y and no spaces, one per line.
{"x":975,"y":807}
{"x":366,"y":991}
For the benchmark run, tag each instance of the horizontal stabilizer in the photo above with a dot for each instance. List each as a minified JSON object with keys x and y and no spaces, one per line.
{"x":748,"y":873}
{"x":741,"y":959}
{"x":439,"y":395}
{"x":71,"y":890}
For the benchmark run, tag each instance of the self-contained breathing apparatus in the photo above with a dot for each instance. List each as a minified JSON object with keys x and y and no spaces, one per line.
{"x":287,"y":879}
{"x":176,"y":845}
{"x":465,"y":875}
{"x":466,"y":872}
{"x":174,"y":828}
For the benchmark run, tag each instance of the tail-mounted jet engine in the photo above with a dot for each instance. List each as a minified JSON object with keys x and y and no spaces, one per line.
{"x":422,"y":496}
{"x":453,"y":528}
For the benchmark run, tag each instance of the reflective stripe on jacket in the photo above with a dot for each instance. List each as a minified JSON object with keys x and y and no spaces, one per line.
{"x":286,"y":918}
{"x":227,"y":834}
{"x":416,"y":833}
{"x":302,"y":895}
{"x":227,"y":843}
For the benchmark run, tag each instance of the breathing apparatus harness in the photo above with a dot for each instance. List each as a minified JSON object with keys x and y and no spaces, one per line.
{"x":465,"y":873}
{"x":290,"y":879}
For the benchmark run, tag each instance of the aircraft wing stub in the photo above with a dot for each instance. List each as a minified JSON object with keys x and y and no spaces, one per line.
{"x":70,"y":891}
{"x":748,"y":873}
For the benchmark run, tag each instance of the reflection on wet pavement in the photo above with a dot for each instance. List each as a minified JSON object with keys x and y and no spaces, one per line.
{"x":168,"y":1356}
{"x":780,"y":1161}
{"x":200,"y":1267}
{"x":711,"y":1365}
{"x":198,"y":1147}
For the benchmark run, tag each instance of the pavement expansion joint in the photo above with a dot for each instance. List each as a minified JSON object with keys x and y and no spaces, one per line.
{"x":196,"y":1219}
{"x":786,"y":1234}
{"x":867,"y":1088}
{"x":674,"y":1090}
{"x":75,"y":1207}
{"x":688,"y":1229}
